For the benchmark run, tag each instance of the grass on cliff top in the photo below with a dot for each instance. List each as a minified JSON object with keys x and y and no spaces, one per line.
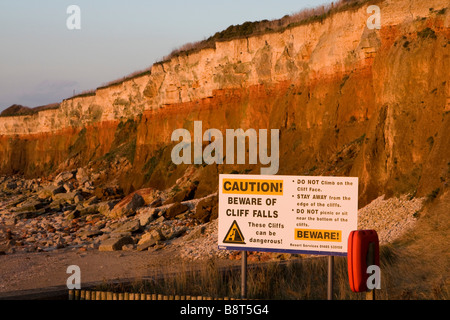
{"x":244,"y":30}
{"x":249,"y":29}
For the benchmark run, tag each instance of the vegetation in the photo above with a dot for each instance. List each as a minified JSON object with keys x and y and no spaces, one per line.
{"x":19,"y":110}
{"x":124,"y":144}
{"x":248,"y":29}
{"x":79,"y":144}
{"x":83,"y":94}
{"x":134,"y":75}
{"x":427,"y":33}
{"x":413,"y":267}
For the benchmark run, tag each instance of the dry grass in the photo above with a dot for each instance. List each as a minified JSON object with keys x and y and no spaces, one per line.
{"x":422,"y":269}
{"x":415,"y":267}
{"x":131,"y":76}
{"x":247,"y":29}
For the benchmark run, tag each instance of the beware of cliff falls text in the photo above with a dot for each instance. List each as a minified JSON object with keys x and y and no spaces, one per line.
{"x":235,"y":141}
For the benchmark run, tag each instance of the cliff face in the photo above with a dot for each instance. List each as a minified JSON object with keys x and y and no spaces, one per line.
{"x":347,"y":100}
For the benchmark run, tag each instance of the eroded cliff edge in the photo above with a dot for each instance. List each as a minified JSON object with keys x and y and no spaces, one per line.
{"x":348,"y":101}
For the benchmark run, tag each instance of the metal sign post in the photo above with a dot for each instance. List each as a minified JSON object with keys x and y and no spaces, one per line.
{"x":244,"y":275}
{"x":330,"y":277}
{"x":287,"y":214}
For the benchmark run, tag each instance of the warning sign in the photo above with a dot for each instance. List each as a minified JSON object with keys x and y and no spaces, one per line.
{"x":311,"y":215}
{"x":234,"y":235}
{"x":318,"y":235}
{"x":249,"y":186}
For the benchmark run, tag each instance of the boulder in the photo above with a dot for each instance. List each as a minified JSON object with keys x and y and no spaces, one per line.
{"x":196,"y":233}
{"x":150,"y":196}
{"x":90,"y":233}
{"x":10,"y":221}
{"x":154,"y":234}
{"x":115,"y":244}
{"x":71,"y":214}
{"x":62,"y":178}
{"x":29,"y":214}
{"x":207,"y":210}
{"x":144,"y":245}
{"x":29,"y":205}
{"x":105,"y":207}
{"x":58,"y":189}
{"x":128,"y":206}
{"x":82,"y":176}
{"x":68,"y":186}
{"x":78,"y":198}
{"x":92,"y":200}
{"x":67,"y":197}
{"x":12,"y":185}
{"x":175,"y":210}
{"x":185,"y":194}
{"x":48,"y":191}
{"x":108,"y":193}
{"x":147,"y":215}
{"x":175,"y":232}
{"x":89,"y":210}
{"x":130,"y":226}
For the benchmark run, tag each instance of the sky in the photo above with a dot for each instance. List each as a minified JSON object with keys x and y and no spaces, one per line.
{"x":43,"y":62}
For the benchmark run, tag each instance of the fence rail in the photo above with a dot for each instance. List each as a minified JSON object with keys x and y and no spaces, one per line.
{"x":107,"y":295}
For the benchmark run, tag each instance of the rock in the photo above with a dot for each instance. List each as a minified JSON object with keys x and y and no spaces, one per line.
{"x":93,"y":218}
{"x":88,"y":186}
{"x":147,"y":215}
{"x":78,"y":198}
{"x":11,"y":221}
{"x":115,"y":244}
{"x":154,"y":234}
{"x":58,"y":190}
{"x":57,"y":205}
{"x":28,"y":214}
{"x":82,"y":176}
{"x":30,"y":205}
{"x":196,"y":233}
{"x":207,"y":209}
{"x":142,"y":246}
{"x":103,"y":237}
{"x":116,"y":235}
{"x":68,"y":186}
{"x":183,"y":195}
{"x":59,"y":243}
{"x":62,"y":177}
{"x":175,"y":210}
{"x":128,"y":206}
{"x":11,"y":185}
{"x":105,"y":207}
{"x":150,"y":196}
{"x":92,"y":200}
{"x":128,"y":247}
{"x":73,"y":214}
{"x":66,"y":197}
{"x":89,"y":210}
{"x":108,"y":193}
{"x":156,"y":203}
{"x":130,"y":226}
{"x":90,"y":233}
{"x":47,"y":192}
{"x":175,"y":232}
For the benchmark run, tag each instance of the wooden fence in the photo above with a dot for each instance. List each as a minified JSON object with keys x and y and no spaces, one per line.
{"x":107,"y":295}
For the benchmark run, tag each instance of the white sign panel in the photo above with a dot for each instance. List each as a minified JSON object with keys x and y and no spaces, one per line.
{"x":310,"y":215}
